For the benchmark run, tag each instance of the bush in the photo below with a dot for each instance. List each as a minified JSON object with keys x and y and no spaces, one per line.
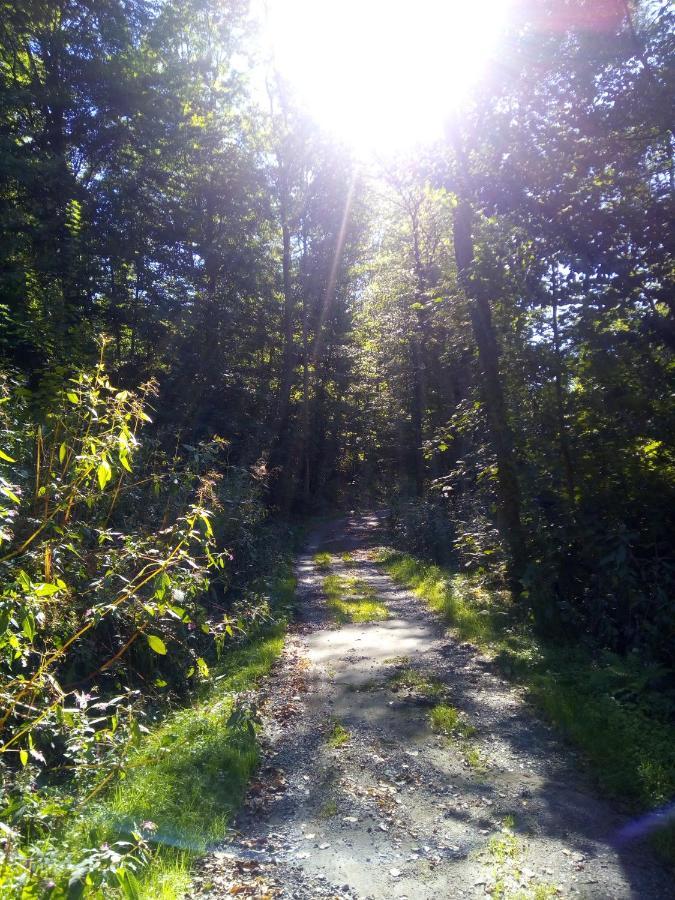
{"x":112,"y":557}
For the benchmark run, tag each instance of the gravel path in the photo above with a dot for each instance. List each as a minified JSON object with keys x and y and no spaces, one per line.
{"x":397,"y":811}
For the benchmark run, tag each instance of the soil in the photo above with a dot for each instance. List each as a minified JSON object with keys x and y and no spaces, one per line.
{"x":396,"y":810}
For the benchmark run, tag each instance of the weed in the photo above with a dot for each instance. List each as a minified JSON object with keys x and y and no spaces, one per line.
{"x":504,"y":850}
{"x":473,"y":759}
{"x":449,"y":721}
{"x":416,"y":681}
{"x":329,"y":809}
{"x":322,"y":560}
{"x":188,"y":775}
{"x":338,"y":736}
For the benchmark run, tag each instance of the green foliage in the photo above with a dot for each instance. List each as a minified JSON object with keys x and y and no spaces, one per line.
{"x":110,"y":552}
{"x":484,"y":339}
{"x":449,"y":721}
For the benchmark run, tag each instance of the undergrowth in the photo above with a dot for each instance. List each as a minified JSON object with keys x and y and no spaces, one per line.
{"x":603,"y":703}
{"x":184,"y":781}
{"x":449,"y":721}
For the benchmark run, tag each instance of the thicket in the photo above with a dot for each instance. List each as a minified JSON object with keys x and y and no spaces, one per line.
{"x":117,"y":598}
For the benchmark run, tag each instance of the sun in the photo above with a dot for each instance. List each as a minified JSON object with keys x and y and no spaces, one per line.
{"x":382,"y":74}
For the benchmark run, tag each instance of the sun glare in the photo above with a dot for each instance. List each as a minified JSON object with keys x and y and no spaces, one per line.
{"x":383,"y":74}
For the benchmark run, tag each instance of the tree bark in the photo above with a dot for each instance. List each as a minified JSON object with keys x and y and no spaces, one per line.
{"x":510,"y":522}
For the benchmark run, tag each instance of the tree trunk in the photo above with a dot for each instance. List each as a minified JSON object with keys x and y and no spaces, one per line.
{"x":510,"y":522}
{"x":563,"y":437}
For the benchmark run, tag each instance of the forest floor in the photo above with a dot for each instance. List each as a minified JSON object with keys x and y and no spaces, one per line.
{"x":399,"y":764}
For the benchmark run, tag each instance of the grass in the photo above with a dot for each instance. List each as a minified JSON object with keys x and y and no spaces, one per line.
{"x":329,"y":809}
{"x":504,"y":851}
{"x":447,"y":720}
{"x":352,"y":600}
{"x":601,"y":704}
{"x":189,"y":774}
{"x":322,"y":560}
{"x":419,"y":683}
{"x":338,"y":736}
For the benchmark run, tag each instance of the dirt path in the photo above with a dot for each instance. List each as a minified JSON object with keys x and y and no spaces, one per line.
{"x":358,"y":797}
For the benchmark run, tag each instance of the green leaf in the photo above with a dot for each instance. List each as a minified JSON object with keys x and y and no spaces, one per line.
{"x":28,"y":627}
{"x":23,"y":756}
{"x":9,"y":493}
{"x":157,"y":644}
{"x":103,"y":473}
{"x":4,"y":456}
{"x":73,"y":397}
{"x":207,"y":524}
{"x":62,"y":452}
{"x":46,"y":589}
{"x":124,"y":461}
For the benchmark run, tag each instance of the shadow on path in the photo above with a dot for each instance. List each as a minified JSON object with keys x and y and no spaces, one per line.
{"x":396,"y":810}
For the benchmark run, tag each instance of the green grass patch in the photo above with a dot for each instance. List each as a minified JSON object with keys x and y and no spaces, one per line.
{"x":604,"y":704}
{"x":338,"y":736}
{"x":329,"y":809}
{"x":322,"y":560}
{"x":188,"y":776}
{"x":448,"y":720}
{"x":505,"y":852}
{"x":419,"y":683}
{"x":352,"y":600}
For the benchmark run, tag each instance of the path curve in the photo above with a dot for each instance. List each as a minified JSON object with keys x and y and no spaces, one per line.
{"x":398,"y":811}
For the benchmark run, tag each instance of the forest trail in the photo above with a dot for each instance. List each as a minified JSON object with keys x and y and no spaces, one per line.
{"x":359,"y":798}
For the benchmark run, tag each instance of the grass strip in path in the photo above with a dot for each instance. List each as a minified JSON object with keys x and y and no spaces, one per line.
{"x":350,"y":599}
{"x":604,"y":704}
